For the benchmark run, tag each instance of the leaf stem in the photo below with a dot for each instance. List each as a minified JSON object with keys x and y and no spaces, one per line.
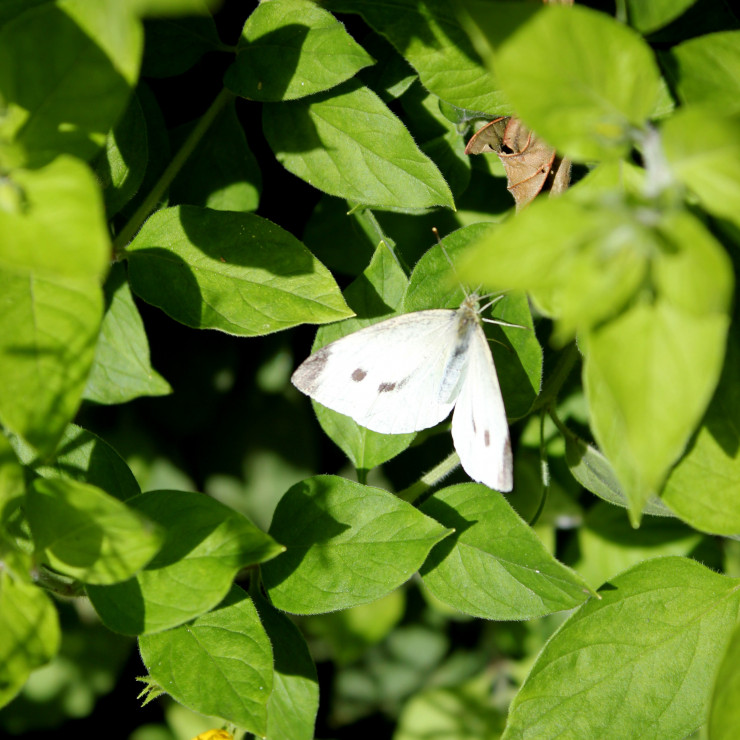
{"x":127,"y":233}
{"x":559,"y":375}
{"x":544,"y":470}
{"x":434,"y":476}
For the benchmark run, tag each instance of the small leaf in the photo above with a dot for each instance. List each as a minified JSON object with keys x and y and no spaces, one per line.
{"x":430,"y":37}
{"x":593,"y":471}
{"x":82,"y":456}
{"x":206,"y":544}
{"x":648,"y":17}
{"x":349,"y":144}
{"x":294,"y":702}
{"x":121,"y":370}
{"x":494,"y":566}
{"x":707,"y":164}
{"x":706,"y":69}
{"x":292,"y":48}
{"x":82,"y":532}
{"x":347,"y":544}
{"x":220,"y":664}
{"x":675,"y":621}
{"x":234,"y":272}
{"x":221,"y":173}
{"x":702,"y":488}
{"x":604,"y":81}
{"x":29,"y":633}
{"x":374,"y":296}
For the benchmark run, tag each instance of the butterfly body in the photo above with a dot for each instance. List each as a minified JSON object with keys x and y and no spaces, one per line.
{"x":407,"y":373}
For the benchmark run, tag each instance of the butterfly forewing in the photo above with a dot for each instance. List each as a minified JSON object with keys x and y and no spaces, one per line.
{"x":480,"y":431}
{"x":388,"y":377}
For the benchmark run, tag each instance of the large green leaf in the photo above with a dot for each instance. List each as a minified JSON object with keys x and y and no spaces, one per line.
{"x":724,"y":711}
{"x":29,"y":633}
{"x":234,"y":272}
{"x":429,"y":36}
{"x":494,"y":566}
{"x":706,"y":69}
{"x":205,"y":546}
{"x":291,"y":710}
{"x":348,"y":143}
{"x":68,"y":97}
{"x":647,"y":17}
{"x":84,"y":533}
{"x":375,"y":295}
{"x":347,"y":544}
{"x":220,"y":664}
{"x":647,"y":673}
{"x":650,"y":373}
{"x":54,"y":248}
{"x":580,"y":79}
{"x":292,"y":48}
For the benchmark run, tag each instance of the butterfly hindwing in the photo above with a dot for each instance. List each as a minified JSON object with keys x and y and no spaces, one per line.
{"x":388,"y":376}
{"x":480,"y":430}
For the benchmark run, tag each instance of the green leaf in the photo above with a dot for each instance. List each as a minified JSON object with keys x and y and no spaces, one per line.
{"x":174,"y":45}
{"x":649,"y":373}
{"x":581,"y":261}
{"x":69,"y":97}
{"x":294,"y":702}
{"x":648,"y":17}
{"x":292,"y":48}
{"x":675,"y":620}
{"x":120,"y":167}
{"x":706,"y":69}
{"x":53,"y":250}
{"x":15,"y":548}
{"x":121,"y":370}
{"x":434,"y":283}
{"x":221,"y":173}
{"x":84,"y":533}
{"x":724,"y":710}
{"x":593,"y":471}
{"x":347,"y":544}
{"x":29,"y":633}
{"x":82,"y":456}
{"x":609,"y":544}
{"x":348,"y":143}
{"x":708,"y":165}
{"x":493,"y":566}
{"x":206,"y":544}
{"x":219,"y":664}
{"x":580,"y":79}
{"x":373,"y":296}
{"x":391,"y":74}
{"x":702,"y":488}
{"x":234,"y":272}
{"x":429,"y":36}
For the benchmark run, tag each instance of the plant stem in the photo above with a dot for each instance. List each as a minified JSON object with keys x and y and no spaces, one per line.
{"x":559,"y":375}
{"x":155,"y":195}
{"x":434,"y":476}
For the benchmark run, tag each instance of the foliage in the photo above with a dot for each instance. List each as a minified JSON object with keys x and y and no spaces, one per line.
{"x":169,"y":166}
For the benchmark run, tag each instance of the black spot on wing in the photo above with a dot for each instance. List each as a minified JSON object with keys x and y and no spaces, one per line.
{"x":487,"y":438}
{"x":386,"y":387}
{"x":358,"y":375}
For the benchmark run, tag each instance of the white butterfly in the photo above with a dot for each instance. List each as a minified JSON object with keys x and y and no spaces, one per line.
{"x":406,"y":373}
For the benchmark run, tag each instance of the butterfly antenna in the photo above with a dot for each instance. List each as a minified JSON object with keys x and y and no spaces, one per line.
{"x":447,"y":257}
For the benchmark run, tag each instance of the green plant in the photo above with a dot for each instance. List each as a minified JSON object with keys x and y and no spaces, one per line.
{"x":622,"y":385}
